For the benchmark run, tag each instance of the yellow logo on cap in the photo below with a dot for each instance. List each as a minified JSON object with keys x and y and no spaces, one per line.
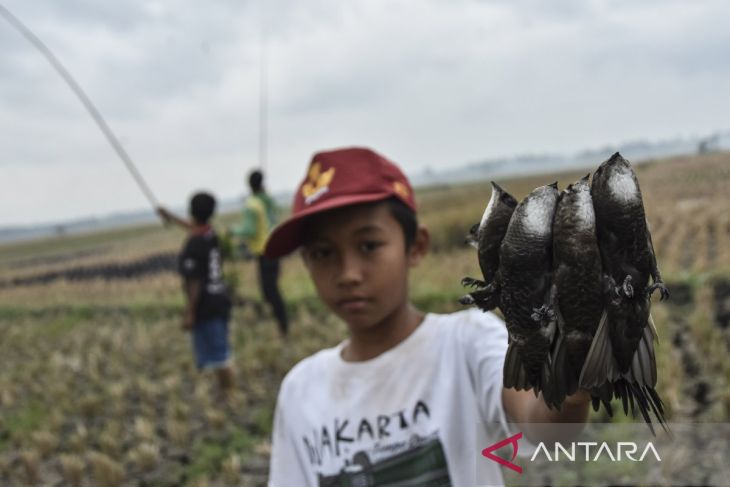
{"x":401,"y":189}
{"x":317,"y":182}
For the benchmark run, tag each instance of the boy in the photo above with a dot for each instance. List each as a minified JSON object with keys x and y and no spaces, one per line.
{"x":208,"y":306}
{"x":259,"y":217}
{"x":402,"y":397}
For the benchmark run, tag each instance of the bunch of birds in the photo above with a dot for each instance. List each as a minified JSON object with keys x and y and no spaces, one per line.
{"x":570,"y":272}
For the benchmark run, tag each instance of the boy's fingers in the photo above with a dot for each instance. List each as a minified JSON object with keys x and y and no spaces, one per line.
{"x":164,"y":214}
{"x":581,"y":396}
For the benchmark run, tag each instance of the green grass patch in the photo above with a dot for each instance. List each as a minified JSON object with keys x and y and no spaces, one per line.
{"x":22,"y":422}
{"x":208,"y":455}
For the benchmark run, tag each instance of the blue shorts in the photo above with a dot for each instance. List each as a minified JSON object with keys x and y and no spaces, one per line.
{"x":210,"y":343}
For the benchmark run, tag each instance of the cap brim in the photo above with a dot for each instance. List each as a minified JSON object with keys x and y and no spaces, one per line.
{"x":287,"y":236}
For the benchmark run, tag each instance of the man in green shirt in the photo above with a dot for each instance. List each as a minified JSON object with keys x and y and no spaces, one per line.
{"x":259,"y":217}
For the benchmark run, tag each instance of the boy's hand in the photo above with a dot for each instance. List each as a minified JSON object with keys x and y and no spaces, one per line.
{"x":188,"y":320}
{"x":524,"y":407}
{"x":580,"y":397}
{"x":164,"y":214}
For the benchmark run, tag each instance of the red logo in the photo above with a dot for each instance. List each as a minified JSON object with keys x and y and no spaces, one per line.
{"x":487,"y":452}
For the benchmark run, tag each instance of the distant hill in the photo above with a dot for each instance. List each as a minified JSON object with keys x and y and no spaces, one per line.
{"x":115,"y":220}
{"x":520,"y":165}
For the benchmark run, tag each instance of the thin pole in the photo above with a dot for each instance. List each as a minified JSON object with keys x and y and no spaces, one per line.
{"x":95,"y":114}
{"x":263,"y":93}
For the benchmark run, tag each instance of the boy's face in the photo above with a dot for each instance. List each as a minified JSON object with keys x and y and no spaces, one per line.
{"x":358,"y":261}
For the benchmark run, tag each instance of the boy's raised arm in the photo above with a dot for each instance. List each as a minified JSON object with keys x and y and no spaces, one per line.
{"x":526,"y":409}
{"x":485,"y":344}
{"x":170,"y":217}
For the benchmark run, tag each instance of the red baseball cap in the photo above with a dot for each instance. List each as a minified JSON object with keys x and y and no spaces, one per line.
{"x":335,"y":179}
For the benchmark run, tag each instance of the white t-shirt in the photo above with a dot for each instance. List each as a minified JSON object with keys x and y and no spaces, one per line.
{"x":406,"y":417}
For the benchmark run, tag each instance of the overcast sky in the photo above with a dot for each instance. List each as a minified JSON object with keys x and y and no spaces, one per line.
{"x":429,"y":83}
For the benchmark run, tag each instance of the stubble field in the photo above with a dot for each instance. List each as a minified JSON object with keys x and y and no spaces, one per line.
{"x":97,"y":382}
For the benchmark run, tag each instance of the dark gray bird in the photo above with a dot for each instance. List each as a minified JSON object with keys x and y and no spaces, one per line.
{"x":622,"y":351}
{"x":578,"y":294}
{"x":524,"y":281}
{"x":487,"y":237}
{"x":623,"y":234}
{"x":625,"y":319}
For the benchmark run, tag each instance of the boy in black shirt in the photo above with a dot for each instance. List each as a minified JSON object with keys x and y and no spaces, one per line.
{"x":208,"y":306}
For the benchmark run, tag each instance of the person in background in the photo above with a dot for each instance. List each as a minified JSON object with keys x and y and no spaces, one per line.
{"x":259,"y":217}
{"x":208,"y":306}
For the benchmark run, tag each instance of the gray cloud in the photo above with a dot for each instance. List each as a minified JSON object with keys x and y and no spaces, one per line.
{"x":429,"y":83}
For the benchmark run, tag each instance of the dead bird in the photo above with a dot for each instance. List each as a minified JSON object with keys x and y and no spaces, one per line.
{"x":622,"y":351}
{"x":487,"y":237}
{"x":524,"y":283}
{"x":625,"y":319}
{"x":577,"y":292}
{"x":623,"y":234}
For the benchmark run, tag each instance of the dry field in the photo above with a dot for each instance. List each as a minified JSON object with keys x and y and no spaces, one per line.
{"x":97,"y":383}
